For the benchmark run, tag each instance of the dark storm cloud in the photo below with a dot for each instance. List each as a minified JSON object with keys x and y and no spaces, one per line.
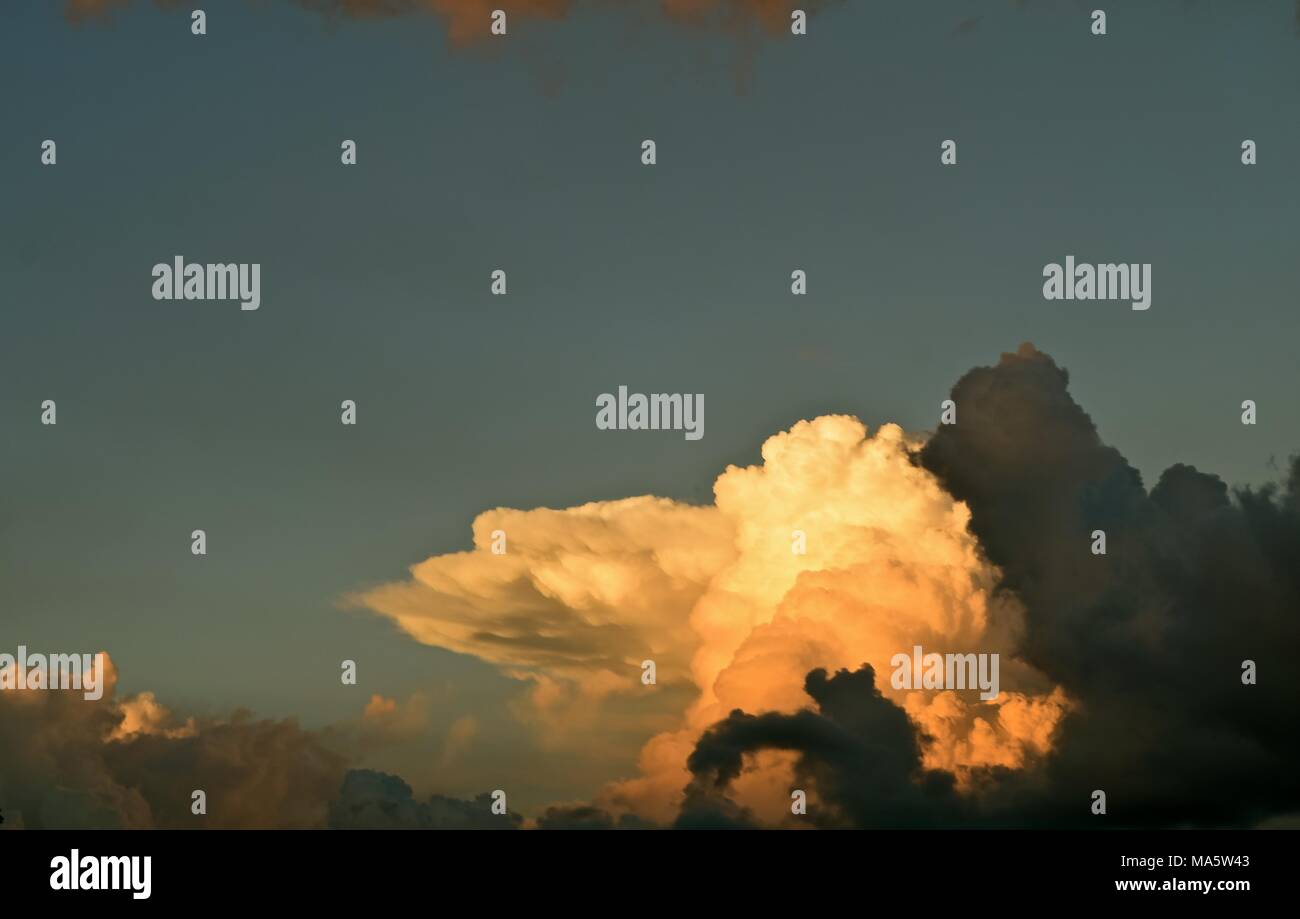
{"x":377,"y":800}
{"x":53,"y":773}
{"x":858,"y":750}
{"x":587,"y":817}
{"x":66,"y":764}
{"x":256,"y":773}
{"x":1148,"y":639}
{"x":1151,"y":636}
{"x":60,"y":769}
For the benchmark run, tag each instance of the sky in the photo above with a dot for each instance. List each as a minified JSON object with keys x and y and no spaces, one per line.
{"x":775,"y":152}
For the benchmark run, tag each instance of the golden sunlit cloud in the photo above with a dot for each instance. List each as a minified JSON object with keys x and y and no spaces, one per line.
{"x":838,"y":550}
{"x":144,"y":714}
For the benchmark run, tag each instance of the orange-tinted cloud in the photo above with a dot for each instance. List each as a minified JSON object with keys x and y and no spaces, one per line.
{"x":129,"y":763}
{"x":469,"y":21}
{"x":838,"y":550}
{"x":144,"y":714}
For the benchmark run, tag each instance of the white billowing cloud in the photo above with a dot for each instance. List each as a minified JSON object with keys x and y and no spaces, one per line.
{"x":718,"y":596}
{"x":580,"y":595}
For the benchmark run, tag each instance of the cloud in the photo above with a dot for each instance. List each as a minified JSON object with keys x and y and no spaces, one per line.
{"x":1150,"y":638}
{"x":719,"y":597}
{"x":587,"y":817}
{"x":1119,"y":672}
{"x":860,"y":761}
{"x":773,"y":615}
{"x":460,"y":736}
{"x":581,"y":597}
{"x":129,"y":763}
{"x":890,"y":563}
{"x":1147,"y":641}
{"x":583,"y":594}
{"x":53,"y":772}
{"x":143,"y":714}
{"x":255,"y":773}
{"x":469,"y":21}
{"x":79,"y":11}
{"x":376,"y":800}
{"x":386,"y":721}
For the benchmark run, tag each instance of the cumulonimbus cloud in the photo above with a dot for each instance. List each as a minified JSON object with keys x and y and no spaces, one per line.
{"x":838,"y":550}
{"x":1149,"y":640}
{"x":1117,"y":670}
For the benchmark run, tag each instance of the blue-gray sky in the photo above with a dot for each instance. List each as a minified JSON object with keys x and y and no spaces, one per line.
{"x":820,"y":153}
